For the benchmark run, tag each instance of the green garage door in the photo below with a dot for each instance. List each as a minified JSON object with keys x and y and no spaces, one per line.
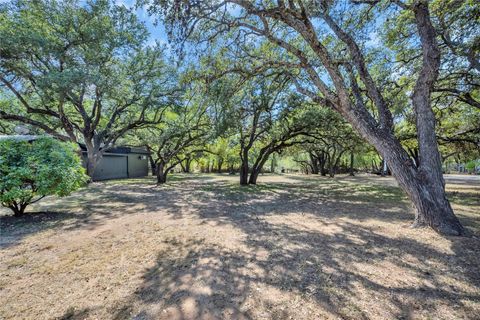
{"x":112,"y":166}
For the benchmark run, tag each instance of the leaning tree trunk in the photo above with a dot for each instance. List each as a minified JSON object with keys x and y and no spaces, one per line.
{"x":252,"y":179}
{"x":323,"y":170}
{"x":258,"y":165}
{"x":424,"y":184}
{"x":321,"y":163}
{"x":152,"y":165}
{"x":161,"y":177}
{"x":428,"y":196}
{"x":256,"y":170}
{"x":425,"y":191}
{"x":331,"y":171}
{"x":207,"y":170}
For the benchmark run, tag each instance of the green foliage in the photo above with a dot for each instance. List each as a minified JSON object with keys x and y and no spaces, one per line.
{"x":81,"y":71}
{"x":472,"y":165}
{"x":31,"y":170}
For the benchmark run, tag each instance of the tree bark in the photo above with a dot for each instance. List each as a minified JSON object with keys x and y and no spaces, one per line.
{"x":322,"y":160}
{"x":18,"y":210}
{"x":161,"y":173}
{"x":432,"y":207}
{"x":256,"y":170}
{"x":272,"y":164}
{"x":429,"y":196}
{"x":94,"y":155}
{"x":188,"y":164}
{"x":219,"y":165}
{"x":244,"y":172}
{"x":331,"y":171}
{"x":314,"y":163}
{"x":244,"y":168}
{"x":152,"y":165}
{"x":352,"y":173}
{"x":253,"y":176}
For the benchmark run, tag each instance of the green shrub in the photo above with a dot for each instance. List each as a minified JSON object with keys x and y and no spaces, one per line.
{"x":472,"y":165}
{"x":32,"y":170}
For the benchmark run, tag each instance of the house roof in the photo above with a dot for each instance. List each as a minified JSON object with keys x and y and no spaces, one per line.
{"x":120,"y":149}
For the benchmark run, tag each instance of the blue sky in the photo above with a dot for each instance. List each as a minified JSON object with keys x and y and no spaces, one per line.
{"x":157,"y":31}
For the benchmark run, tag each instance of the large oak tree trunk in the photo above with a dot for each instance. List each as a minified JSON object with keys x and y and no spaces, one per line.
{"x":94,"y":155}
{"x":161,"y":177}
{"x":90,"y":166}
{"x":427,"y":195}
{"x":423,"y":184}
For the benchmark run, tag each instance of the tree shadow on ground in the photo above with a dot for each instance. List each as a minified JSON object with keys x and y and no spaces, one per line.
{"x":217,"y":199}
{"x":337,"y":269}
{"x":195,"y":279}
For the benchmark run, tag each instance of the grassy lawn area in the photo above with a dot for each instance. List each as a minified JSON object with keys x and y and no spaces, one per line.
{"x":203,"y":247}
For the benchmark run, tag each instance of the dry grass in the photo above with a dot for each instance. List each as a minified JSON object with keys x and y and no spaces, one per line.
{"x":201,"y":247}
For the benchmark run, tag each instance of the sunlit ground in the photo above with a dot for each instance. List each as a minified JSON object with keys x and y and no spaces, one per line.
{"x":202,"y":247}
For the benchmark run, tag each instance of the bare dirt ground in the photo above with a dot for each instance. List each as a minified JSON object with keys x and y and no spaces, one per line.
{"x":202,"y":247}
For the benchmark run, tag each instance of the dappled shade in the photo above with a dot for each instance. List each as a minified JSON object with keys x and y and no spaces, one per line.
{"x":203,"y":247}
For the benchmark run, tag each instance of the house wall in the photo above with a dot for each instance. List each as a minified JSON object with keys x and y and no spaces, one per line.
{"x":111,"y":166}
{"x":120,"y":166}
{"x":137,"y":165}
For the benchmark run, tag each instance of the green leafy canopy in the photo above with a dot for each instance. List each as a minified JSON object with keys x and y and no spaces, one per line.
{"x":32,"y":170}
